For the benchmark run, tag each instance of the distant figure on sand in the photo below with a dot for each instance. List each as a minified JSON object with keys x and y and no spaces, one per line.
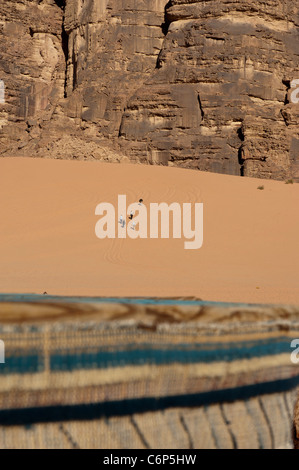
{"x":121,"y":220}
{"x":140,"y":201}
{"x":131,"y":215}
{"x":133,"y":225}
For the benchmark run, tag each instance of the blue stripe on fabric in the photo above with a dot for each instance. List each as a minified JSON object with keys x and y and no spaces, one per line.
{"x":22,"y":364}
{"x":145,"y":354}
{"x":106,"y":359}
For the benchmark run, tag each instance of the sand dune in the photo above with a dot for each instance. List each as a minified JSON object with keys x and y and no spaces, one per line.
{"x":47,"y":237}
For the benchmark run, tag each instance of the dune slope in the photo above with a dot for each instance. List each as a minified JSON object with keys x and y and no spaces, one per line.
{"x":47,"y":234}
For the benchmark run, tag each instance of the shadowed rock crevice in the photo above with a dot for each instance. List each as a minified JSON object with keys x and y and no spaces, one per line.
{"x":60,"y":3}
{"x":166,"y":23}
{"x":64,"y":42}
{"x":240,"y":151}
{"x":287,"y":84}
{"x":200,"y":107}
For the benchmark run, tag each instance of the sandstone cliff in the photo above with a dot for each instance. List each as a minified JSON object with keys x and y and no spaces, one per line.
{"x":200,"y":84}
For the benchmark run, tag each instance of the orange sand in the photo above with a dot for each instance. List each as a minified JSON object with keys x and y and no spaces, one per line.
{"x":250,"y":251}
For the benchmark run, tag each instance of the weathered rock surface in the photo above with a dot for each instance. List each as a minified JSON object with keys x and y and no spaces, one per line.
{"x":199,"y":84}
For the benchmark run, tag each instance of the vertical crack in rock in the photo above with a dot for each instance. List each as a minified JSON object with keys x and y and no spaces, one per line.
{"x":287,"y":84}
{"x":240,"y":151}
{"x":201,"y":109}
{"x":283,"y":112}
{"x":65,"y":48}
{"x":64,"y":41}
{"x":166,"y":23}
{"x":164,"y":27}
{"x":75,"y":67}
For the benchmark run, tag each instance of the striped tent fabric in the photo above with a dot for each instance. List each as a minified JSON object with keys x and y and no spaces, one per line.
{"x":91,"y":373}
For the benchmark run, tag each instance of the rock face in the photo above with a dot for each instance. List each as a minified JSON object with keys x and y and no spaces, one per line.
{"x":32,"y":68}
{"x":199,"y":84}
